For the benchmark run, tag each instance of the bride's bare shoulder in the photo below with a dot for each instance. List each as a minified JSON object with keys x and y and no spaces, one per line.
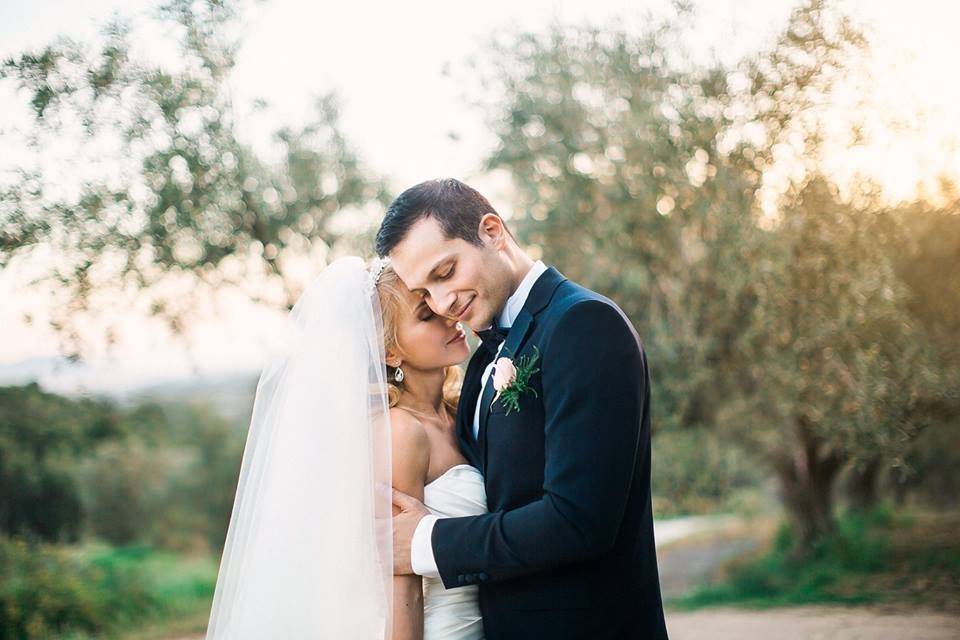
{"x":411,"y":452}
{"x":405,"y":424}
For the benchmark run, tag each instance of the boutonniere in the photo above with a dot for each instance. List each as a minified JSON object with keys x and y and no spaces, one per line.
{"x":511,"y":380}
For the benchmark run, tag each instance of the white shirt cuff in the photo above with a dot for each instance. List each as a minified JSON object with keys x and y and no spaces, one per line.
{"x":421,"y":549}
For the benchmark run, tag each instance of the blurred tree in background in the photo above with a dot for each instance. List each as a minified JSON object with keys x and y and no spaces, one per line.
{"x":161,"y":203}
{"x":785,"y":328}
{"x":159,"y":474}
{"x":47,"y":592}
{"x":926,"y":261}
{"x":794,"y":331}
{"x":41,"y":435}
{"x":832,"y":369}
{"x":180,"y":198}
{"x":144,"y":490}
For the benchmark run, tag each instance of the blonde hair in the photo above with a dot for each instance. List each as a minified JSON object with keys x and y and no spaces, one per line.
{"x":392,"y":294}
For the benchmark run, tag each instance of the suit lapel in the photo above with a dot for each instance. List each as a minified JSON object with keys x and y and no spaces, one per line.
{"x":540,"y":295}
{"x":468,"y":405}
{"x":515,"y":339}
{"x":485,"y":402}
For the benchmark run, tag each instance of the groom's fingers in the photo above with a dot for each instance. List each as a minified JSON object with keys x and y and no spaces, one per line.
{"x":403,"y":501}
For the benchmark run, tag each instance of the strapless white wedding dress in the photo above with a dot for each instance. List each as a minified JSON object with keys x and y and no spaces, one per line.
{"x":453,"y":614}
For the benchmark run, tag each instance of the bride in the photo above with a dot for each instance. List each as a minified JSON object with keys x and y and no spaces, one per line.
{"x":362,"y":396}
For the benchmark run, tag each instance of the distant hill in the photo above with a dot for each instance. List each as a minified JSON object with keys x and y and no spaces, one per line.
{"x":230,"y":394}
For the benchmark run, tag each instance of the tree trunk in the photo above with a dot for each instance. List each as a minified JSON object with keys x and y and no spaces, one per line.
{"x":862,"y":486}
{"x":807,"y":476}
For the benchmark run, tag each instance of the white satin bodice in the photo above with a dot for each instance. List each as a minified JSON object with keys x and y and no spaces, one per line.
{"x":453,"y":614}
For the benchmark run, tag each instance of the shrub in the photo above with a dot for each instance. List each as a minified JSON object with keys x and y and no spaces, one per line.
{"x":45,"y":591}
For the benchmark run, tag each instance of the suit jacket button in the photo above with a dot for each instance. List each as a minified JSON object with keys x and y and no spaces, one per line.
{"x":461,"y":578}
{"x":483,"y":577}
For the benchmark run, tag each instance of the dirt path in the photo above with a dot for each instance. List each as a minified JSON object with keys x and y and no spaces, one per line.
{"x":691,"y":551}
{"x":809,"y":623}
{"x":803,"y":623}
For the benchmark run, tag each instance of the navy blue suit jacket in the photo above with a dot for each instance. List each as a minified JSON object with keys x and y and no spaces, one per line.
{"x":567,"y":548}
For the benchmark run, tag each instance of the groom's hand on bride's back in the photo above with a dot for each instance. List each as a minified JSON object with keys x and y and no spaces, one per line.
{"x":404,"y":524}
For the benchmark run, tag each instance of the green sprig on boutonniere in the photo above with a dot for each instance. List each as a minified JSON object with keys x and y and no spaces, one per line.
{"x":512,"y":380}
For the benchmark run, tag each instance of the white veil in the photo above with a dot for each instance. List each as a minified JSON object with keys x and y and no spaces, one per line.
{"x":308,"y":552}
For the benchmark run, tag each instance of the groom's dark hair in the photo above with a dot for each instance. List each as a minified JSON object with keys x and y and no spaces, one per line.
{"x":456,"y":206}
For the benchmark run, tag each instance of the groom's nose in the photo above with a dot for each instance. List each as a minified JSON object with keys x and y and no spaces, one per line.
{"x":443,"y":302}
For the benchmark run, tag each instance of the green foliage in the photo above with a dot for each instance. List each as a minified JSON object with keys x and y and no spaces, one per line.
{"x":165,"y":475}
{"x":839,"y":352}
{"x":931,"y":475}
{"x":929,"y":248}
{"x":180,"y":584}
{"x":41,"y":436}
{"x":200,"y":495}
{"x":696,"y":472}
{"x":185,"y":199}
{"x":172,"y":486}
{"x":926,"y":260}
{"x":45,"y":591}
{"x":147,"y":474}
{"x":525,"y":366}
{"x":50,"y":591}
{"x":835,"y":572}
{"x":775,"y":315}
{"x":635,"y":171}
{"x":125,"y":484}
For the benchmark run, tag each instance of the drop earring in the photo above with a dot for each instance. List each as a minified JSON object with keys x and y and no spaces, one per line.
{"x":398,"y":376}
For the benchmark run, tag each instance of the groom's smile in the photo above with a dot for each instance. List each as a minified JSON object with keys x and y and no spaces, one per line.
{"x":469,"y":282}
{"x":461,"y":314}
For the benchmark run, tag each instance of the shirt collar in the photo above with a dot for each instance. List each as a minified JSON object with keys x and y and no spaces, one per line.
{"x":516,"y":301}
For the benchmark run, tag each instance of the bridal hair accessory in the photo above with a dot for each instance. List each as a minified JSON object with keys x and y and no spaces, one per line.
{"x":376,"y":269}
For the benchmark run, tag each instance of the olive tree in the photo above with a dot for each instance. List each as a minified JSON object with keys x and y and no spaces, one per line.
{"x":179,"y":197}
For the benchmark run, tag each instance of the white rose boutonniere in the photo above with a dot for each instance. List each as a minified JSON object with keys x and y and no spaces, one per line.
{"x":511,"y":380}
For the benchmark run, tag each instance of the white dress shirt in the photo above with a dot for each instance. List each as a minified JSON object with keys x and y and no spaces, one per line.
{"x":421,"y":549}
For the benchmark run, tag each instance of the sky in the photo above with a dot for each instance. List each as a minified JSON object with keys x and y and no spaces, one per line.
{"x":385,"y":61}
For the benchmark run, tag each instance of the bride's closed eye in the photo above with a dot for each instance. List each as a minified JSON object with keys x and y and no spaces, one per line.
{"x":424,"y":313}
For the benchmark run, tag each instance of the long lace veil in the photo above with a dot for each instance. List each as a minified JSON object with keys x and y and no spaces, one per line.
{"x":308,"y":552}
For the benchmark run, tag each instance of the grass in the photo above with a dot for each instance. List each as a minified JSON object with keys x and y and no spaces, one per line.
{"x":77,"y":592}
{"x":877,"y":557}
{"x":182,"y":586}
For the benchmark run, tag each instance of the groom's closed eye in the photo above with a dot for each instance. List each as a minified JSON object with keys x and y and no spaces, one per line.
{"x":441,"y":270}
{"x":448,"y":273}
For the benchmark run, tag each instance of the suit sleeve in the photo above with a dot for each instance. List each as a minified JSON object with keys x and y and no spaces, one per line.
{"x":594,"y":393}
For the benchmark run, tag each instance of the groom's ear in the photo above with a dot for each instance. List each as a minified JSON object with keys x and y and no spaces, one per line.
{"x":492,"y":231}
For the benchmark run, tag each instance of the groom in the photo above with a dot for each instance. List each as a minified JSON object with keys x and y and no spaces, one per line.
{"x":567,"y":550}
